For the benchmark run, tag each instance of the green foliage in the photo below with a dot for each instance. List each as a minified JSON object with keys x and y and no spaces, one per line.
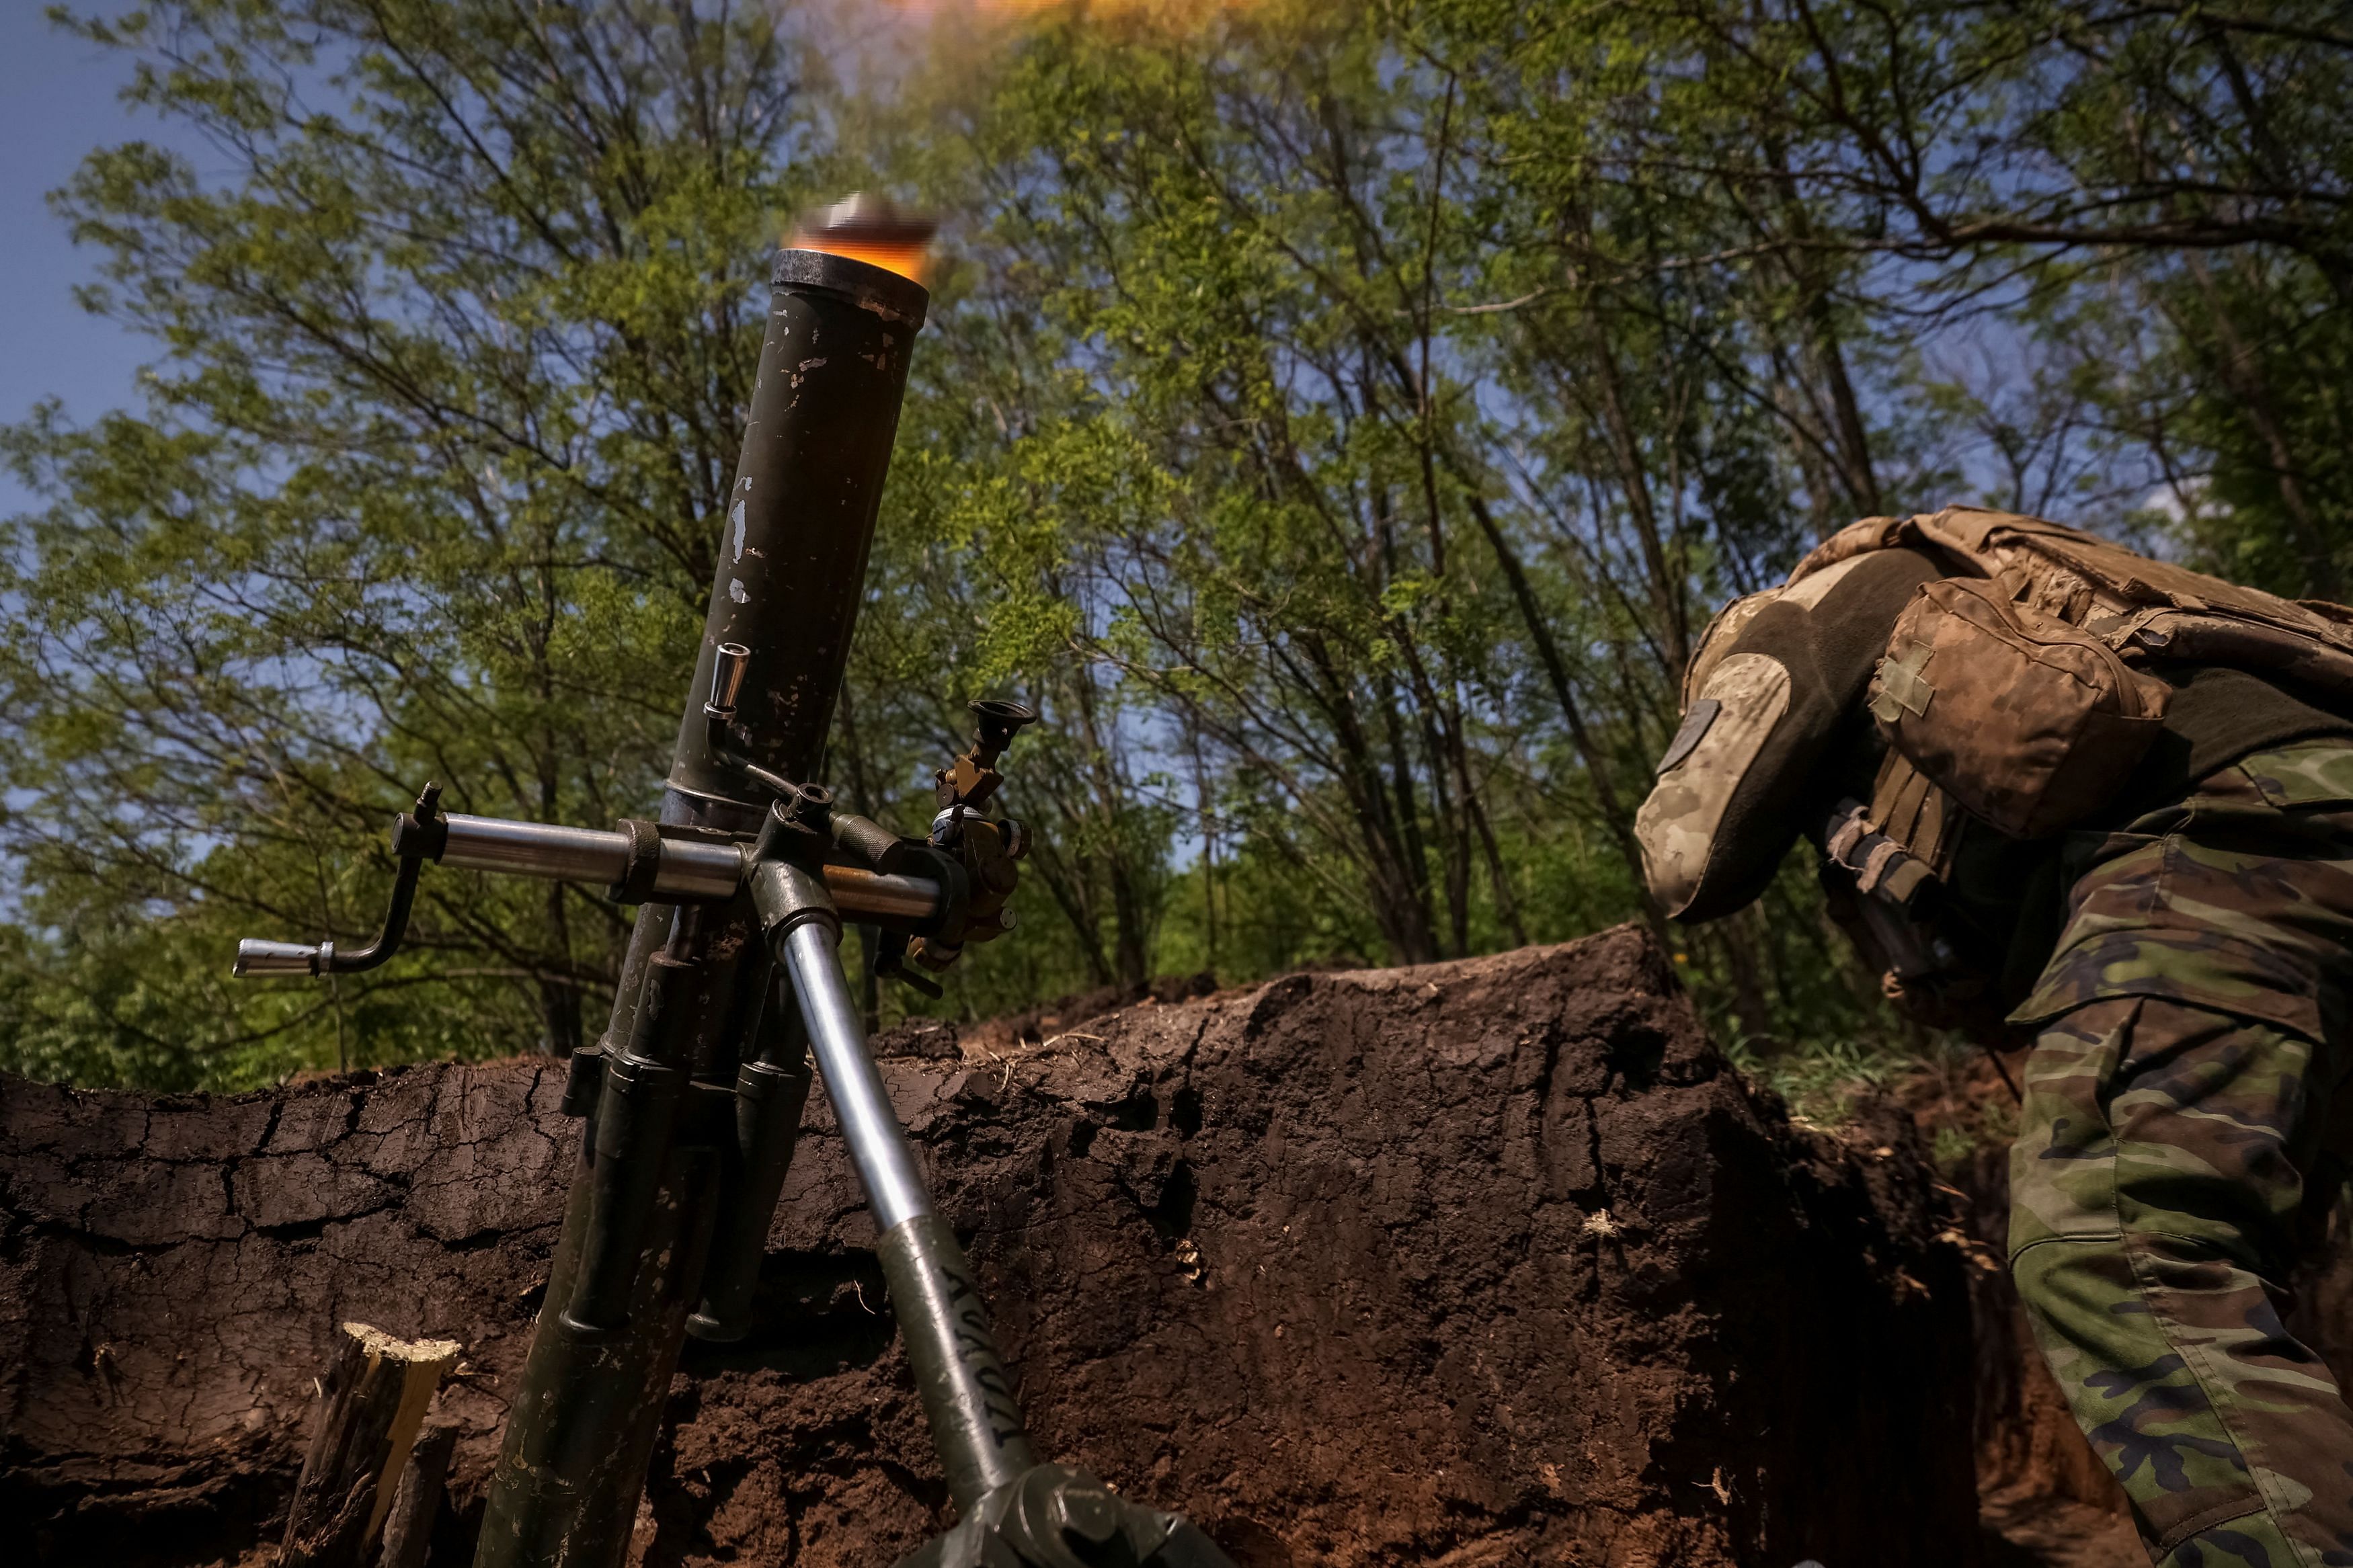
{"x":1340,"y":421}
{"x":1821,"y":1084}
{"x":452,"y":361}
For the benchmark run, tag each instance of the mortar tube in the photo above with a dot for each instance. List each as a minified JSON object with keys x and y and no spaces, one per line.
{"x":791,"y":563}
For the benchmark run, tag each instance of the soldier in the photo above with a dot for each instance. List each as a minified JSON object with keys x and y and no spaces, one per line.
{"x":2112,"y":799}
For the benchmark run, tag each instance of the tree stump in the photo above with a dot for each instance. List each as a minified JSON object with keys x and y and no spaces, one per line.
{"x":370,"y":1406}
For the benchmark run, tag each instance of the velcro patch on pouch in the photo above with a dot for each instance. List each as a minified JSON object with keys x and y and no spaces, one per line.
{"x":1898,"y":687}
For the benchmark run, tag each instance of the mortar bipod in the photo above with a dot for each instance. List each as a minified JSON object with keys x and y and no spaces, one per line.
{"x":808,"y":869}
{"x":1012,"y":1508}
{"x":640,"y":1104}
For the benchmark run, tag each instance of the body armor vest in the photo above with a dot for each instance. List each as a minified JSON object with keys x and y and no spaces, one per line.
{"x":2148,"y":611}
{"x":2055,"y":591}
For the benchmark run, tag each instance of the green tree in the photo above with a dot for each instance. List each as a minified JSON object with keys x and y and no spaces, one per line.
{"x":1340,"y":421}
{"x":455,"y":339}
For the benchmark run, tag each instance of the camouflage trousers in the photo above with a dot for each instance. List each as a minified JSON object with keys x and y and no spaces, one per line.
{"x":2175,"y":1146}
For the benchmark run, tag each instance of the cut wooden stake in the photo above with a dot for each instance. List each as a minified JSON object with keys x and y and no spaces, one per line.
{"x":370,"y":1406}
{"x":417,"y":1500}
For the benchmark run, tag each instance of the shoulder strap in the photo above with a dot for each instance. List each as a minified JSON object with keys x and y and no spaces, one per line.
{"x":2137,"y":580}
{"x":1960,"y":535}
{"x":2146,"y":609}
{"x":1855,"y":539}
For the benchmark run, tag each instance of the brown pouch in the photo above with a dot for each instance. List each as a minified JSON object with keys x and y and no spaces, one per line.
{"x":2028,"y":722}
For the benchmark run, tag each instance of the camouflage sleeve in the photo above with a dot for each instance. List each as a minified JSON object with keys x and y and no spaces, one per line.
{"x":1778,"y":686}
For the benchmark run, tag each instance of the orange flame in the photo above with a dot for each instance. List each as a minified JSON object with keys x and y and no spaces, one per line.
{"x":909,"y":261}
{"x":866,"y":228}
{"x":1171,"y":11}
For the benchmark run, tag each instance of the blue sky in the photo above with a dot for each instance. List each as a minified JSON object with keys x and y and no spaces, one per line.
{"x":57,"y":102}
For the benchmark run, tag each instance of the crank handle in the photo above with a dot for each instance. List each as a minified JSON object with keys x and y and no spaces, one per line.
{"x":417,"y":837}
{"x":257,"y":959}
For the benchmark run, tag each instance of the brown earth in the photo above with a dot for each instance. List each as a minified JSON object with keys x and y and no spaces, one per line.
{"x":2044,"y":1493}
{"x":1484,"y":1262}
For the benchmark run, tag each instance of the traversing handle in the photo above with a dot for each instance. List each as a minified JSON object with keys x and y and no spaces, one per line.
{"x":416,"y":838}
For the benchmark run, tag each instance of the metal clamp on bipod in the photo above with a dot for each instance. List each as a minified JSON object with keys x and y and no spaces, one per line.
{"x":1056,"y":1517}
{"x":799,"y":829}
{"x":787,"y":876}
{"x":803,"y":834}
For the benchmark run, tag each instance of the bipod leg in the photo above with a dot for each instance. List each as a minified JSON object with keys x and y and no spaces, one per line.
{"x":1012,"y":1508}
{"x":968,"y":1393}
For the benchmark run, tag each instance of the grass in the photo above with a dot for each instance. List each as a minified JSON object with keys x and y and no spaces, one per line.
{"x":1821,"y":1080}
{"x":1946,"y":1084}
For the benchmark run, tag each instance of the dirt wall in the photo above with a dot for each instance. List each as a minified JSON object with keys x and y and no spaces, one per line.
{"x":1483,"y":1262}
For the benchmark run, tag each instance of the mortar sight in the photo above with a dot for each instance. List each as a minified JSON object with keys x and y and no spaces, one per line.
{"x":1000,"y":720}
